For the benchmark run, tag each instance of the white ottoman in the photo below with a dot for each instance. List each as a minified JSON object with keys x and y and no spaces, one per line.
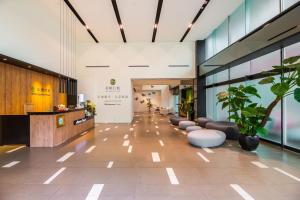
{"x":184,"y":124}
{"x":206,"y":138}
{"x":192,"y":128}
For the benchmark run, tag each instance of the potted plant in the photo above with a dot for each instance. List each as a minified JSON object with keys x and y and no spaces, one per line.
{"x":185,"y":109}
{"x":250,"y":117}
{"x":245,"y":113}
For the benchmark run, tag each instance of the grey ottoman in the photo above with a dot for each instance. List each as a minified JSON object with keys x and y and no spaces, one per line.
{"x":184,"y":124}
{"x":192,"y":128}
{"x":202,"y":121}
{"x":206,"y":138}
{"x":229,"y":128}
{"x":175,"y":120}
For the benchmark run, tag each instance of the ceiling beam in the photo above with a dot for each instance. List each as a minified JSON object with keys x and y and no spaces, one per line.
{"x":158,"y":11}
{"x":81,"y":20}
{"x":195,"y":19}
{"x":115,"y":6}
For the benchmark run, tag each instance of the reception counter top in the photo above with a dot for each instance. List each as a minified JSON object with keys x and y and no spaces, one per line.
{"x":50,"y":129}
{"x":54,"y":112}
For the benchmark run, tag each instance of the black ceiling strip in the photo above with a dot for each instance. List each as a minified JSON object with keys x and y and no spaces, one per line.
{"x":195,"y":19}
{"x":115,"y":6}
{"x":75,"y":12}
{"x":80,"y":19}
{"x":90,"y":32}
{"x":158,"y":11}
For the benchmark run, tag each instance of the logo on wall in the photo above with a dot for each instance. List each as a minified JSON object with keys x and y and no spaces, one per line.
{"x":113,"y":81}
{"x":40,"y":91}
{"x":112,"y":95}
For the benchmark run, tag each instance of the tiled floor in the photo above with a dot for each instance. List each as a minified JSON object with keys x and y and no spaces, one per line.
{"x":160,"y":165}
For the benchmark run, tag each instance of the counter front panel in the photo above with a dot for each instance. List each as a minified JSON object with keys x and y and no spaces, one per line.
{"x":53,"y":129}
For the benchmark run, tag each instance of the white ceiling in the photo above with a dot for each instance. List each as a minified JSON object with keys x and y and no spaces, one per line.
{"x":138,"y":18}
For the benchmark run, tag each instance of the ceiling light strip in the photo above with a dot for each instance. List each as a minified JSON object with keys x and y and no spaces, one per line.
{"x":115,"y":6}
{"x":81,"y":20}
{"x":138,"y":66}
{"x":178,"y":65}
{"x":195,"y":19}
{"x":158,"y":11}
{"x":96,"y":66}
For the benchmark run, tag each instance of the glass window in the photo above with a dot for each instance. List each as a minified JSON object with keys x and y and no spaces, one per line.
{"x":288,"y":3}
{"x":209,"y":46}
{"x":221,"y":76}
{"x":291,"y":122}
{"x":265,"y":63}
{"x":292,"y":50}
{"x":260,"y":11}
{"x":292,"y":108}
{"x":210,"y":80}
{"x":237,"y":24}
{"x":221,"y":37}
{"x":273,"y":126}
{"x":210,"y":105}
{"x":220,"y":114}
{"x":239,"y":71}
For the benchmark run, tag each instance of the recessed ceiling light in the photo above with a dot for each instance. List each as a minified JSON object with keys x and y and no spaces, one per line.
{"x":121,"y":26}
{"x":190,"y":25}
{"x":87,"y":27}
{"x":4,"y":59}
{"x":29,"y":66}
{"x":155,"y":25}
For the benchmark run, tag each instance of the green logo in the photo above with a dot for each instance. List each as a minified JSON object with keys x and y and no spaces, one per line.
{"x":113,"y":81}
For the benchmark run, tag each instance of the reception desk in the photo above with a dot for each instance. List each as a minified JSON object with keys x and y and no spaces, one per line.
{"x":50,"y":129}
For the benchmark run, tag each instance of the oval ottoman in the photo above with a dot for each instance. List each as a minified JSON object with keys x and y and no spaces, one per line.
{"x":175,"y":120}
{"x":184,"y":124}
{"x":202,"y":121}
{"x":193,"y":128}
{"x":206,"y":138}
{"x":229,"y":128}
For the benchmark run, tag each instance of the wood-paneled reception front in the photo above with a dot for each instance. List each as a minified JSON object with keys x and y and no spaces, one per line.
{"x":50,"y":129}
{"x":29,"y":97}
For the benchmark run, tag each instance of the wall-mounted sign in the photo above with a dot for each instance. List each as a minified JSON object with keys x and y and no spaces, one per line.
{"x":60,"y":121}
{"x":112,"y":95}
{"x":40,"y":91}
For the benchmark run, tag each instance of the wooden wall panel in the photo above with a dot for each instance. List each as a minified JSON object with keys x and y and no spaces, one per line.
{"x":25,"y":90}
{"x":2,"y":88}
{"x":15,"y":90}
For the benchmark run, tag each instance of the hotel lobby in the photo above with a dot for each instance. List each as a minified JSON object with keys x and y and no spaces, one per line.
{"x":150,"y":99}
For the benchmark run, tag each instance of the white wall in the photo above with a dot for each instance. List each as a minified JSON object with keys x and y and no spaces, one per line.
{"x":140,"y":104}
{"x":92,"y":81}
{"x":40,"y":32}
{"x":166,"y":96}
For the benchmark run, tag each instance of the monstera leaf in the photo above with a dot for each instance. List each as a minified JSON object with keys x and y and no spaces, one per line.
{"x":279,"y":89}
{"x":297,"y":94}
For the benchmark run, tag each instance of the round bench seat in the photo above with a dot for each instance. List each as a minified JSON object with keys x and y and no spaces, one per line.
{"x":175,"y":120}
{"x":192,"y":128}
{"x":206,"y":138}
{"x":184,"y":124}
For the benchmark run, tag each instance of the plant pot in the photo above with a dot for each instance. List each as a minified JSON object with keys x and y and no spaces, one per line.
{"x":249,"y":143}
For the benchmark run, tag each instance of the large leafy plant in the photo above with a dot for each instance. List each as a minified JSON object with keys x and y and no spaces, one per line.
{"x":243,"y":111}
{"x":252,"y":117}
{"x":288,"y":84}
